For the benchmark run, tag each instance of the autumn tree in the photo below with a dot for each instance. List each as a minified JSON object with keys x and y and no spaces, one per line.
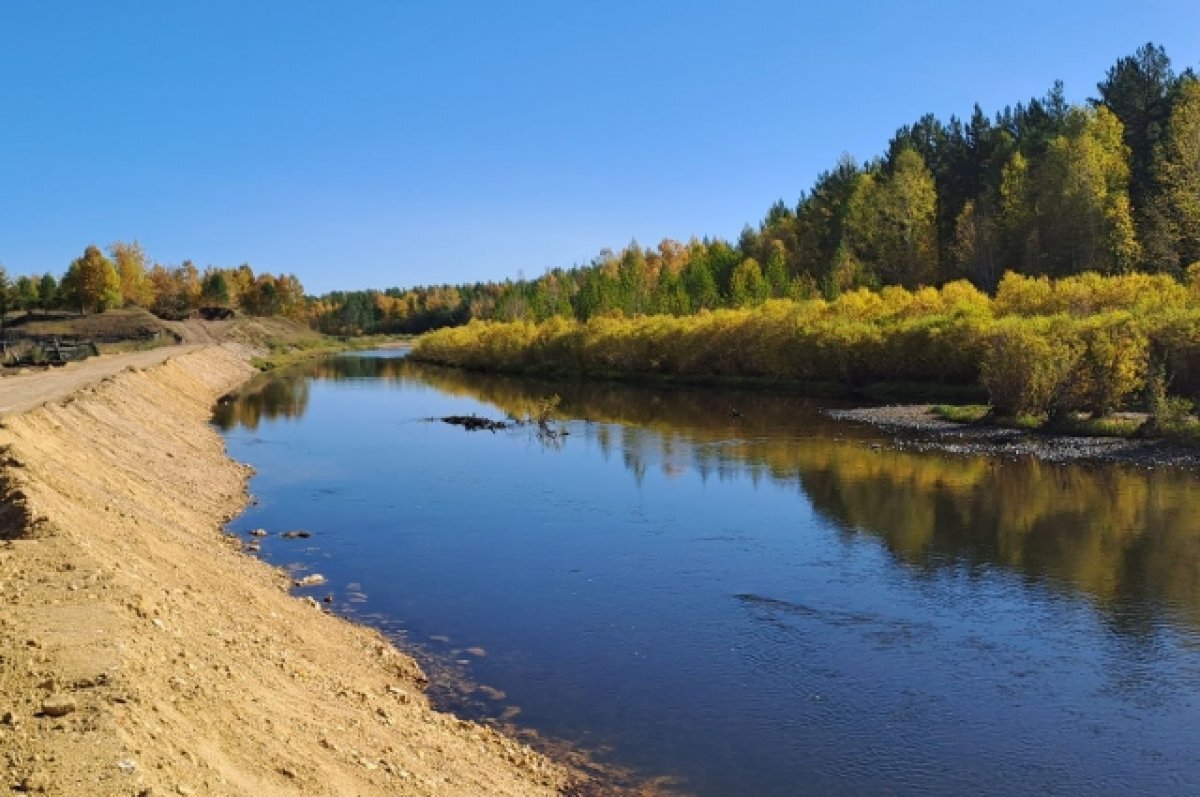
{"x":241,"y":280}
{"x":263,"y":297}
{"x":1021,"y":246}
{"x":1178,"y":170}
{"x":130,"y":262}
{"x":291,"y":296}
{"x":891,"y":223}
{"x":188,"y":280}
{"x":1084,"y":214}
{"x":92,"y":282}
{"x":747,"y":286}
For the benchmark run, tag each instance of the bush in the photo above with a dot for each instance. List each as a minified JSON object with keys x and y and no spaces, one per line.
{"x":1112,"y":364}
{"x":1024,"y":368}
{"x":1040,"y":347}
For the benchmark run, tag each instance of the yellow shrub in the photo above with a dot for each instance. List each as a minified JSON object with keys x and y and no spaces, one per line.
{"x":1024,"y":368}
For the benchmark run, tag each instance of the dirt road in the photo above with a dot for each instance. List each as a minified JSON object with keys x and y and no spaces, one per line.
{"x":28,"y":388}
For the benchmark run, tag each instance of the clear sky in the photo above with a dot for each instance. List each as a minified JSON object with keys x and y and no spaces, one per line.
{"x":372,"y":144}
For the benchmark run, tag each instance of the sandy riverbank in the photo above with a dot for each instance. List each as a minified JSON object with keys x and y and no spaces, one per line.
{"x":144,"y":654}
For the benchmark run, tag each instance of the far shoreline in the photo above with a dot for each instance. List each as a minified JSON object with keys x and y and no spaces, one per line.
{"x":918,"y":427}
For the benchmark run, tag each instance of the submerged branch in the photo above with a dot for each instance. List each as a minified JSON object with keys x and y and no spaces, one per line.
{"x":472,"y":423}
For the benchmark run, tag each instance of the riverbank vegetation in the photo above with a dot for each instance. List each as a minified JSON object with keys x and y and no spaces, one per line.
{"x":1043,"y":348}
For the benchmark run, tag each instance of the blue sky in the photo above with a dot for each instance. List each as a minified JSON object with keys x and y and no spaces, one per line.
{"x":371,"y":144}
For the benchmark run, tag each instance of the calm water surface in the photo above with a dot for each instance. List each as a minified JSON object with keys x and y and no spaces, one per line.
{"x":763,"y":604}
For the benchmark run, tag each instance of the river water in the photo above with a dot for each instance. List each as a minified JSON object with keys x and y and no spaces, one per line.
{"x":733,"y":593}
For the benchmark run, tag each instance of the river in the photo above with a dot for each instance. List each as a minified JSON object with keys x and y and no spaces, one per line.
{"x":732,"y":593}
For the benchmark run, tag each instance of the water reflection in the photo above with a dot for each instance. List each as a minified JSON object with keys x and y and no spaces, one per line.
{"x":283,"y":395}
{"x":732,"y":588}
{"x":1127,"y":538}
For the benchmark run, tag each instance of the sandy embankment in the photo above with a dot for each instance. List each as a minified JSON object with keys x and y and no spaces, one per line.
{"x":144,"y":654}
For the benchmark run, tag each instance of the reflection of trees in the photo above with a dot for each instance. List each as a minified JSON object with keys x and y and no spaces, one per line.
{"x":1125,"y":537}
{"x":1122,"y":536}
{"x":1118,"y":534}
{"x":351,"y":366}
{"x":282,"y":396}
{"x":707,"y":414}
{"x":284,"y":393}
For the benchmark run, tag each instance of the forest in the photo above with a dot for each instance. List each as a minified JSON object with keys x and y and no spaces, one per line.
{"x":94,"y":283}
{"x":1040,"y":188}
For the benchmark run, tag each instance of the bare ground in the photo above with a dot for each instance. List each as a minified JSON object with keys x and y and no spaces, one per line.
{"x":918,"y":427}
{"x":25,"y":389}
{"x":144,"y":654}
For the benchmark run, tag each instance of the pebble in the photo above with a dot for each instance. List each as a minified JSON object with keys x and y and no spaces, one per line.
{"x":58,"y":705}
{"x":36,"y":782}
{"x":920,"y":430}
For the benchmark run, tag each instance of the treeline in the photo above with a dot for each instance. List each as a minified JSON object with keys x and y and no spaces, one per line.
{"x":94,"y":282}
{"x":1086,"y":343}
{"x":1040,"y":188}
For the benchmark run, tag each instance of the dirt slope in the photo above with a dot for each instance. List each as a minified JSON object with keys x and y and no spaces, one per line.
{"x":144,"y":654}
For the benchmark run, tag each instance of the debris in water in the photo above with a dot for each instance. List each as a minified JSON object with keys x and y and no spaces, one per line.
{"x":472,"y":423}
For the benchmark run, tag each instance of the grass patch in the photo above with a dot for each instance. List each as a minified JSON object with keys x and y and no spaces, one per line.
{"x":1097,"y":427}
{"x":962,"y":413}
{"x":1180,"y":430}
{"x":1083,"y":426}
{"x":1185,"y":431}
